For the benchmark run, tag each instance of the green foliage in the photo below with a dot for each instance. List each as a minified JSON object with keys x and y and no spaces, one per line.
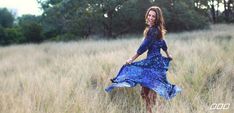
{"x":181,"y":17}
{"x":114,"y":17}
{"x":6,"y":18}
{"x":46,"y":4}
{"x":32,"y":32}
{"x":77,"y":19}
{"x":131,"y":16}
{"x":27,"y":29}
{"x":28,"y":19}
{"x":64,"y":37}
{"x":10,"y":35}
{"x":80,"y":18}
{"x":13,"y":35}
{"x":53,"y":21}
{"x":2,"y":35}
{"x":31,"y":28}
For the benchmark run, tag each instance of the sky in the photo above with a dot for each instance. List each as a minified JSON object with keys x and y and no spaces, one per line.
{"x":20,"y":7}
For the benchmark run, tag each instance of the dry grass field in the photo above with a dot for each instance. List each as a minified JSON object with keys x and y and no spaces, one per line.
{"x":70,"y":77}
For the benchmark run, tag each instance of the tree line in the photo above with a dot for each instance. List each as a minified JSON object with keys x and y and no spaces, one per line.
{"x":80,"y":19}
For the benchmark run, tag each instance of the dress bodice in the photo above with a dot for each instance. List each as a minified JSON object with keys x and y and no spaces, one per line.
{"x":152,"y":43}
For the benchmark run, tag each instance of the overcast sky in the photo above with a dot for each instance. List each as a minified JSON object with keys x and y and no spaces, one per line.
{"x":20,"y":7}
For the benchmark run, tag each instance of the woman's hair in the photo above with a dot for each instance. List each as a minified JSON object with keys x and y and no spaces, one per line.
{"x":159,"y":21}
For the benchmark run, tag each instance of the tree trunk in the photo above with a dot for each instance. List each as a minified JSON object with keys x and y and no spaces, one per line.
{"x":225,"y":10}
{"x":217,"y":9}
{"x":230,"y":10}
{"x":109,"y":32}
{"x":213,"y":11}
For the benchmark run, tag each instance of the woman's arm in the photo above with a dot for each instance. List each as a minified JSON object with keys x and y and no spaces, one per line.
{"x":147,"y":42}
{"x":164,"y":48}
{"x":130,"y":60}
{"x":143,"y":47}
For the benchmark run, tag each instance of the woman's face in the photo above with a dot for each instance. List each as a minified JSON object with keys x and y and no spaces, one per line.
{"x":151,"y":18}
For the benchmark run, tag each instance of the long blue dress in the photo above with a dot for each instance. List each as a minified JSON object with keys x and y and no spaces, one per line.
{"x":149,"y":72}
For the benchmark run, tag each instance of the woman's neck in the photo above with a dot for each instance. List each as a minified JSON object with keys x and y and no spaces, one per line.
{"x":151,"y":25}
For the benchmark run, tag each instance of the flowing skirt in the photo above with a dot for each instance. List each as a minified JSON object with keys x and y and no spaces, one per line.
{"x":150,"y":73}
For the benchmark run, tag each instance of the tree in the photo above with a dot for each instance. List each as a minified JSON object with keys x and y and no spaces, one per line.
{"x":6,"y":18}
{"x":2,"y":35}
{"x":131,"y":17}
{"x":33,"y":32}
{"x":111,"y":18}
{"x":13,"y":35}
{"x":211,"y":8}
{"x":181,"y":15}
{"x":229,"y":10}
{"x":31,"y":28}
{"x":8,"y":33}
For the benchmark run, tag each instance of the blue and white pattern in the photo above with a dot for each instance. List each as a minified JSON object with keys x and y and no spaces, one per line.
{"x":149,"y":72}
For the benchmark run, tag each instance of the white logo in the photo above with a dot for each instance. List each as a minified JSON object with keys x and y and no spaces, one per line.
{"x":219,"y":106}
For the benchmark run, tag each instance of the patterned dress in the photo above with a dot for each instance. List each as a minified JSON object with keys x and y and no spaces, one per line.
{"x":149,"y":72}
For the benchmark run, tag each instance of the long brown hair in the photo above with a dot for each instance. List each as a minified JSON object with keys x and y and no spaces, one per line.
{"x":159,"y":21}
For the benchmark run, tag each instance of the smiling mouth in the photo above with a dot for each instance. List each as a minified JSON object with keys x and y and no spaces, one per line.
{"x":150,"y":21}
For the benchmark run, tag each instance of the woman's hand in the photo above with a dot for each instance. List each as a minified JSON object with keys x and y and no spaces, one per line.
{"x":129,"y":61}
{"x":170,"y":57}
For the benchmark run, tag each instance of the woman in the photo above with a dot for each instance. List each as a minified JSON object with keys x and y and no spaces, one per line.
{"x":150,"y":73}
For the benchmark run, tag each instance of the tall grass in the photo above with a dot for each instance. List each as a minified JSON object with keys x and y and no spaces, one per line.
{"x":71,"y":77}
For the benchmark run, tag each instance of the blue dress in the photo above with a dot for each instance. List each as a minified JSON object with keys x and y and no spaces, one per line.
{"x":149,"y":72}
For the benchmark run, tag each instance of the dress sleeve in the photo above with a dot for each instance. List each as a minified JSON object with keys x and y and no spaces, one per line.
{"x":164,"y":45}
{"x":147,"y":42}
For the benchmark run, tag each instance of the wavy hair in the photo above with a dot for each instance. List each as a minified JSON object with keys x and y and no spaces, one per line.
{"x":159,"y":21}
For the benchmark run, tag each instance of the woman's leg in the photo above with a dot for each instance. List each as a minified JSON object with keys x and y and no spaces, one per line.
{"x":153,"y":97}
{"x":145,"y":95}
